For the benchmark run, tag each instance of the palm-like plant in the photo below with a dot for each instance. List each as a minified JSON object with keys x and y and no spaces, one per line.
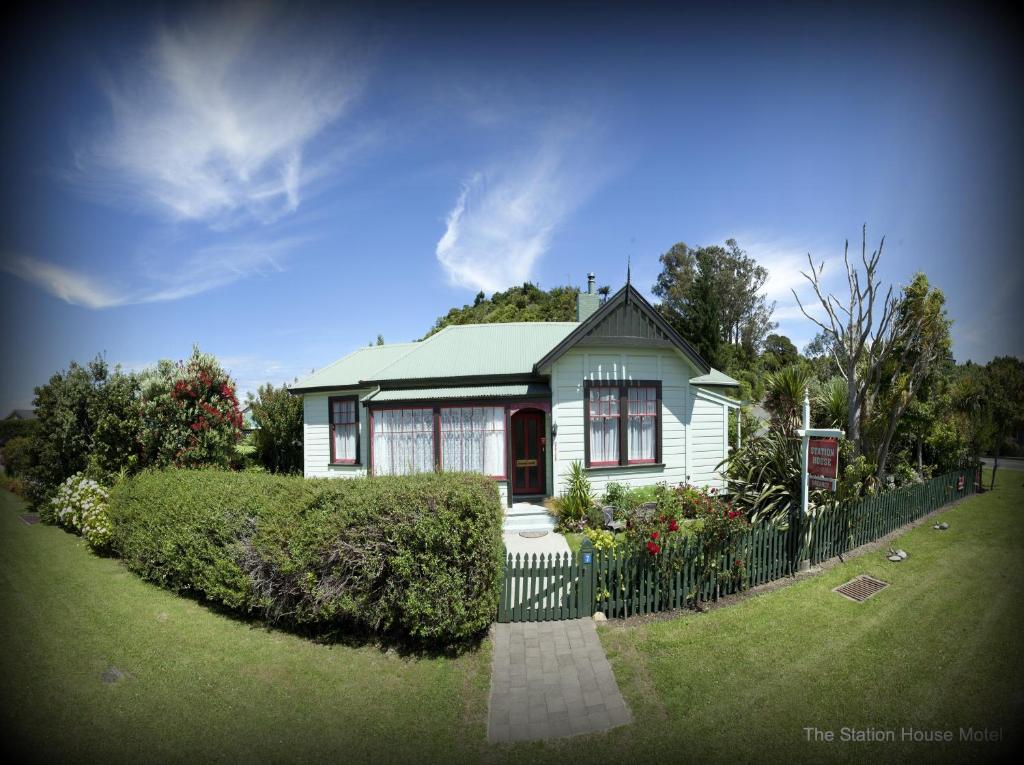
{"x":764,"y":476}
{"x":784,"y":394}
{"x":831,"y":402}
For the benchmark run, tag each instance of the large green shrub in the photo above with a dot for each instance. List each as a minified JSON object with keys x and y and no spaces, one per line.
{"x":419,"y":555}
{"x":17,"y":456}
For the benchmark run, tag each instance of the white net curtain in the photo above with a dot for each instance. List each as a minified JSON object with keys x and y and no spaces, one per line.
{"x":643,"y":417}
{"x":473,"y":440}
{"x":403,"y":441}
{"x":344,"y":425}
{"x":604,"y":425}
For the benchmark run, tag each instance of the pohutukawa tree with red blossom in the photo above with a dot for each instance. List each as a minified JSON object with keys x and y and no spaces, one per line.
{"x":189,"y":412}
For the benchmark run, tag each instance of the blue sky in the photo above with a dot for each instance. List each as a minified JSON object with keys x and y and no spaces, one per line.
{"x":280,"y":187}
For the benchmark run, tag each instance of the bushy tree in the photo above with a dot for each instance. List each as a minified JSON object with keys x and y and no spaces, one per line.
{"x":65,"y":407}
{"x":779,"y":352}
{"x":1005,"y":391}
{"x":189,"y":413}
{"x":741,"y":312}
{"x":921,"y":343}
{"x":527,"y":302}
{"x":278,"y":438}
{"x":114,"y":414}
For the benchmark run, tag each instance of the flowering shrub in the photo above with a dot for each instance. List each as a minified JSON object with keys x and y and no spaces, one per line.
{"x":715,"y":536}
{"x":80,"y":505}
{"x":189,"y":412}
{"x":600,"y":538}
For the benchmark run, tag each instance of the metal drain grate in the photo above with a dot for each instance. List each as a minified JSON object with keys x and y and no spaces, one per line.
{"x":861,"y":588}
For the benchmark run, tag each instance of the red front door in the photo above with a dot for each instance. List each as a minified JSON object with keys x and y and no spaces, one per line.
{"x":528,"y":452}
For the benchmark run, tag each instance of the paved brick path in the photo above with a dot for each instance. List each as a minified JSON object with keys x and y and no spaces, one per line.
{"x":551,"y":679}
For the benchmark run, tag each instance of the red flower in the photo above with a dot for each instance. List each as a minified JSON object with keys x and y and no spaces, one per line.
{"x":652,"y":548}
{"x":672,"y":525}
{"x":654,"y":535}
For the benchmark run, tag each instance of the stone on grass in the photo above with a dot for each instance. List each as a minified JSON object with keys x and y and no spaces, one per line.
{"x":902,"y":554}
{"x":895,"y":558}
{"x":943,"y":525}
{"x":600,"y":617}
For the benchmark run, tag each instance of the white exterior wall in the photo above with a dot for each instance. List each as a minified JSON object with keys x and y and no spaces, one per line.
{"x":316,"y":438}
{"x":686,"y":419}
{"x":316,"y":444}
{"x":708,"y":441}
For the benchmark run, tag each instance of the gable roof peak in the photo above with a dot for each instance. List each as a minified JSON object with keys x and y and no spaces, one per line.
{"x":634,"y":312}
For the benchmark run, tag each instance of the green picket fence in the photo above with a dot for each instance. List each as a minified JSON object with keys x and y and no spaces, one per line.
{"x":842,"y":527}
{"x":622,"y":583}
{"x":539,"y":588}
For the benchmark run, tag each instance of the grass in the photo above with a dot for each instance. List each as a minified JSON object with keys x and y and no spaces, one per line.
{"x":939,"y":649}
{"x":202,"y":686}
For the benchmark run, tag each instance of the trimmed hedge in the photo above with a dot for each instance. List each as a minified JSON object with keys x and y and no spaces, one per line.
{"x":419,"y":555}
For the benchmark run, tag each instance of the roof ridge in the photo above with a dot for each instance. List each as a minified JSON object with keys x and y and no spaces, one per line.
{"x":500,"y":324}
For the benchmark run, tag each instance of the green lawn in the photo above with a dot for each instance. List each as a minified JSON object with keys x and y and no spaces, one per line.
{"x":939,"y":649}
{"x":202,"y":686}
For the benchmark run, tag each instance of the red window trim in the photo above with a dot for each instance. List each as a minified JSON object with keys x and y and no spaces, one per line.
{"x":506,"y":404}
{"x":623,"y":387}
{"x":331,"y":424}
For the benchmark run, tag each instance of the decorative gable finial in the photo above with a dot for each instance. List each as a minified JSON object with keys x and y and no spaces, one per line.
{"x":628,"y":269}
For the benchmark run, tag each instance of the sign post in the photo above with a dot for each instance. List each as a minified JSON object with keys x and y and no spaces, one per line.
{"x":820,"y":460}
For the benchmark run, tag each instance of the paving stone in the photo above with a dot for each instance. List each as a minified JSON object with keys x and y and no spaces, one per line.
{"x":551,"y":680}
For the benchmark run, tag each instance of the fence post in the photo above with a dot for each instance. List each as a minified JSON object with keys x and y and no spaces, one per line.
{"x":586,"y":569}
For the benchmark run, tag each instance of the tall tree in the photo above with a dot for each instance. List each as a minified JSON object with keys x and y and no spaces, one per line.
{"x":921,"y":332}
{"x":860,"y":329}
{"x":703,"y":321}
{"x":744,"y":315}
{"x":1005,"y":391}
{"x":779,"y":351}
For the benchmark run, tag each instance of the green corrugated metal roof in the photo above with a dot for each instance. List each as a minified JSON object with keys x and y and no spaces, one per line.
{"x":516,"y":390}
{"x":362,"y":364}
{"x":478,"y":349}
{"x":714,"y":377}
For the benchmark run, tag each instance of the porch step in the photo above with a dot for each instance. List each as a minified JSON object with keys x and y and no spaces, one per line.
{"x":523,"y":516}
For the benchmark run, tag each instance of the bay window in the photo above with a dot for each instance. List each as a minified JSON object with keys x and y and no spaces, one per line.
{"x":622,"y":423}
{"x":456,"y":438}
{"x":344,"y":425}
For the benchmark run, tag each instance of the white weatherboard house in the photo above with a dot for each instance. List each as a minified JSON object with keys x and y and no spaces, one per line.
{"x":619,"y":390}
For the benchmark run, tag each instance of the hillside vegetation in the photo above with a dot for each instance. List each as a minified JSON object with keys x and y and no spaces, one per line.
{"x":525,"y":303}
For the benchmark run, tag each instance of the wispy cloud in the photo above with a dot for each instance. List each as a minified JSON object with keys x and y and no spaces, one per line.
{"x":69,"y":286}
{"x":505,"y":216}
{"x":218,"y":122}
{"x":785,"y":259}
{"x":207,"y":269}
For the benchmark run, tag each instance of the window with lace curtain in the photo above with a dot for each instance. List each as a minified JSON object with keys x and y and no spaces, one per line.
{"x":622,"y":423}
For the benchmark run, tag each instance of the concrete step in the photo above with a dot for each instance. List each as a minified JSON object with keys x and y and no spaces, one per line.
{"x":529,"y":522}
